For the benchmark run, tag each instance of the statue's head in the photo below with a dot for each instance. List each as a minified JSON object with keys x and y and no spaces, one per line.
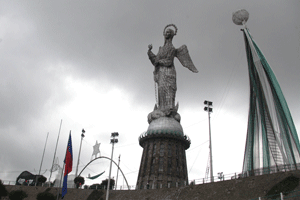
{"x":169,"y":33}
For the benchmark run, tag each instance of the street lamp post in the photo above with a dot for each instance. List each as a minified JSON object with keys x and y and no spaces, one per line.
{"x":113,"y":141}
{"x":209,"y":110}
{"x":82,"y":136}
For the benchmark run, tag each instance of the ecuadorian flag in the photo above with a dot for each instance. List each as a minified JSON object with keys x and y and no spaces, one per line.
{"x":68,"y":165}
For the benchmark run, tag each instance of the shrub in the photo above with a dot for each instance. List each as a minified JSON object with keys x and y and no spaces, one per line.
{"x":3,"y":191}
{"x":79,"y":181}
{"x":42,"y":179}
{"x":45,"y":196}
{"x":17,"y":195}
{"x":105,"y":183}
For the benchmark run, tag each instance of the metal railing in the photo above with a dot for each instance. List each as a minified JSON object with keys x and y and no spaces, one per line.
{"x":256,"y":172}
{"x":271,"y":170}
{"x":222,"y":177}
{"x":5,"y":182}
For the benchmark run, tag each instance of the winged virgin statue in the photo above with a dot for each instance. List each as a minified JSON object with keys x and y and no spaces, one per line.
{"x":165,"y":74}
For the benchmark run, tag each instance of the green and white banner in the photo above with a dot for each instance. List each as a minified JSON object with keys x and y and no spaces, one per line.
{"x":272,"y":140}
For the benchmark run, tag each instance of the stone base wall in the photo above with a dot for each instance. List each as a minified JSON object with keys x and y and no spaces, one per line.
{"x":163,"y":164}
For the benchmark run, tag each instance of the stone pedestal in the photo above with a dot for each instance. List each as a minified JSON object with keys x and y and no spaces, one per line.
{"x":163,"y":162}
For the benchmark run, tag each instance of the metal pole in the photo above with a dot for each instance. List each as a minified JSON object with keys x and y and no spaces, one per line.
{"x":118,"y":172}
{"x":210,"y":149}
{"x":82,"y":136}
{"x":108,"y":184}
{"x":55,"y":152}
{"x":42,"y":158}
{"x":209,"y":110}
{"x":58,"y":188}
{"x":78,"y":157}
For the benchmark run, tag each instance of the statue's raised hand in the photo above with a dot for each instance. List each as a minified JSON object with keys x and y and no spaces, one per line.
{"x":149,"y":47}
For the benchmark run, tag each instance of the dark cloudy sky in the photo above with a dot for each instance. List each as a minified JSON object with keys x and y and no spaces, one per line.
{"x":85,"y":62}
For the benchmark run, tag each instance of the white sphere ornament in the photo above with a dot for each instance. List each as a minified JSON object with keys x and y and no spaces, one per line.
{"x":240,"y":16}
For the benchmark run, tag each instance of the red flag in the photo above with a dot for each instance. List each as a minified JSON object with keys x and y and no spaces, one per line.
{"x":68,"y":165}
{"x":69,"y":157}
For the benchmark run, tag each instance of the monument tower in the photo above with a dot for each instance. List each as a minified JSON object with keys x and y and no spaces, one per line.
{"x":272,"y":142}
{"x":163,"y":162}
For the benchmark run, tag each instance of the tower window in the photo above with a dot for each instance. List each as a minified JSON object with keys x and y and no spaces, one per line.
{"x":154,"y":149}
{"x":146,"y":158}
{"x":162,"y":149}
{"x":152,"y":165}
{"x":161,"y":164}
{"x":169,"y":150}
{"x":169,"y":165}
{"x":177,"y":151}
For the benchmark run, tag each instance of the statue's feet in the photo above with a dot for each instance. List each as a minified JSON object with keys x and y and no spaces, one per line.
{"x":170,"y":112}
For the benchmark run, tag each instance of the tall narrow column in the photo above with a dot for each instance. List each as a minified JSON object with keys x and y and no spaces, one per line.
{"x":209,"y":110}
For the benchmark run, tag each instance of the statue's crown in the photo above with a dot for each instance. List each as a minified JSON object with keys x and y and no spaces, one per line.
{"x":169,"y":26}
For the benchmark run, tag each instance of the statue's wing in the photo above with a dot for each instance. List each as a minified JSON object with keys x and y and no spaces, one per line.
{"x":183,"y":56}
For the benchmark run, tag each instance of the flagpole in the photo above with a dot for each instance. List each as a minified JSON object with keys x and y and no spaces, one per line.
{"x":42,"y":159}
{"x":63,"y":166}
{"x":55,"y":152}
{"x":59,"y":186}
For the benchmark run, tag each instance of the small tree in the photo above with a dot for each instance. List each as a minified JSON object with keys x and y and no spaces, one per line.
{"x":41,"y":179}
{"x":17,"y":195}
{"x":79,"y":181}
{"x":3,"y":191}
{"x":105,"y":183}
